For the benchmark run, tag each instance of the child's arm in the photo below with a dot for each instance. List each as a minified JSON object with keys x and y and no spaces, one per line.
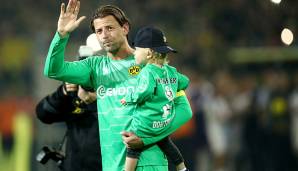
{"x":183,"y":82}
{"x":183,"y":114}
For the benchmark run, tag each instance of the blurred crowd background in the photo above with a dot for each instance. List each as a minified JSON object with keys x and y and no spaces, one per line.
{"x":241,"y":57}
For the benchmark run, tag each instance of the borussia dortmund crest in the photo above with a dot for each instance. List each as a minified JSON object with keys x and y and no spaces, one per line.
{"x":134,"y":70}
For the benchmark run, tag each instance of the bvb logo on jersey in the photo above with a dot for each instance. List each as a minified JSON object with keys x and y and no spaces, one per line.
{"x":134,"y":70}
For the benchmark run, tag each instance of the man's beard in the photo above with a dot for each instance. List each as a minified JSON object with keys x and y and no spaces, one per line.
{"x":112,"y":47}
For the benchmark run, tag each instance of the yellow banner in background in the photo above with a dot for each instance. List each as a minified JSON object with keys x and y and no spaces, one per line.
{"x":19,"y":158}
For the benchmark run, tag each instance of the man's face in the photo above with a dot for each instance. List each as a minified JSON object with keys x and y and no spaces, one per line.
{"x":110,"y":34}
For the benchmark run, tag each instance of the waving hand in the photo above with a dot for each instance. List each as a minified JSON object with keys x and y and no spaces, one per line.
{"x":68,"y":17}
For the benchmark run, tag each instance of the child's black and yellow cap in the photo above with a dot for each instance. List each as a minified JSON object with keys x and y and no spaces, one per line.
{"x":153,"y":38}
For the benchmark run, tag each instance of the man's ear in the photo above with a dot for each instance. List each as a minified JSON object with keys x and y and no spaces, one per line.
{"x":125,"y":28}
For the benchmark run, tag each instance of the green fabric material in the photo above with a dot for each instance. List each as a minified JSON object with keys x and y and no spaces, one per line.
{"x":152,"y":168}
{"x":154,"y":96}
{"x":112,"y":79}
{"x":183,"y":114}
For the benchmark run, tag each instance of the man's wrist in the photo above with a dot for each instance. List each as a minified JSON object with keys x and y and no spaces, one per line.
{"x":62,"y":34}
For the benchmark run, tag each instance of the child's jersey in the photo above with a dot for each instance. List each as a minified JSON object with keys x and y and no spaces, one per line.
{"x":154,"y":96}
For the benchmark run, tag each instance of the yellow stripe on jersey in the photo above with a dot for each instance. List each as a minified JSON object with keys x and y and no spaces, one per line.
{"x":180,"y":93}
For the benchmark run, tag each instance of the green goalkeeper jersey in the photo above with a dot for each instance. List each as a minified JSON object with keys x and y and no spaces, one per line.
{"x":113,"y":79}
{"x":154,"y":96}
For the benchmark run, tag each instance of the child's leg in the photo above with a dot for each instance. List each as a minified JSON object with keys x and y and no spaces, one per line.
{"x":132,"y":157}
{"x":130,"y":164}
{"x":172,"y":152}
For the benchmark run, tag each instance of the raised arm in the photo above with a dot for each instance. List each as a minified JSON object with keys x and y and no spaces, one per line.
{"x":55,"y":66}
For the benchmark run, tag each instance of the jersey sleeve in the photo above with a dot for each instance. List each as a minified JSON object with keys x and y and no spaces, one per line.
{"x":144,"y":89}
{"x":183,"y":114}
{"x":183,"y":82}
{"x":77,"y":72}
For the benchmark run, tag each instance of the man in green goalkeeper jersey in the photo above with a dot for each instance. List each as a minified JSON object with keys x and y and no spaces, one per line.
{"x":113,"y":75}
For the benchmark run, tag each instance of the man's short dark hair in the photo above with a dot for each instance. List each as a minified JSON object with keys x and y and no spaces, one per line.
{"x":107,"y":10}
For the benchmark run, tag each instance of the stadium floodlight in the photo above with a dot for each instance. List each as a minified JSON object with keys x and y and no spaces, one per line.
{"x":287,"y":36}
{"x":276,"y":1}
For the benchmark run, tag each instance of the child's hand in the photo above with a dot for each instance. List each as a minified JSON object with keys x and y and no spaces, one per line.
{"x":123,"y":101}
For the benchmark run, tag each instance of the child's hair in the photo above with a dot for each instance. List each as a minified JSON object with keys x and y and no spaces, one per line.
{"x":161,"y":57}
